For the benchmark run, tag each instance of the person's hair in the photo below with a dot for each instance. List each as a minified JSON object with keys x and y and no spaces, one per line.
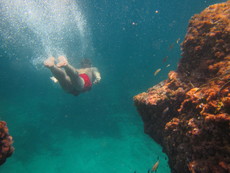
{"x":86,"y":63}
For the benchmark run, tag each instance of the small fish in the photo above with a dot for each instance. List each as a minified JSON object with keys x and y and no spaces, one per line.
{"x":168,"y":65}
{"x":157,"y":71}
{"x":155,"y":166}
{"x":165,"y":58}
{"x":171,"y":46}
{"x":165,"y":111}
{"x":177,"y":41}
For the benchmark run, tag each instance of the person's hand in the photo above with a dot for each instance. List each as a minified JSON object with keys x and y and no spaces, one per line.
{"x":96,"y":80}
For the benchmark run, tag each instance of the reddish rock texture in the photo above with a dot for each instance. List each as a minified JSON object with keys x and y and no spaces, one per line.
{"x":189,"y":113}
{"x":6,"y":141}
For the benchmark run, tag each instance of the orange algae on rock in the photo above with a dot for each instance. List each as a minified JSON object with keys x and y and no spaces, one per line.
{"x":6,"y":141}
{"x":189,"y":113}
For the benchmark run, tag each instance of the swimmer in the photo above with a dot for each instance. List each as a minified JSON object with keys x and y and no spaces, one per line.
{"x":72,"y":80}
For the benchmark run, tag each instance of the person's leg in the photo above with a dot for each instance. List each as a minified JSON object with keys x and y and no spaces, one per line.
{"x":59,"y":74}
{"x":73,"y":74}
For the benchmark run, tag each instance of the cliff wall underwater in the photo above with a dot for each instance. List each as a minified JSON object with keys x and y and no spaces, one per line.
{"x":189,"y":113}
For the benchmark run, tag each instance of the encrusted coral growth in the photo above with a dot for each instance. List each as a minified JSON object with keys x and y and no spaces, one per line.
{"x":207,"y":42}
{"x":6,"y":141}
{"x":202,"y":133}
{"x":189,"y":113}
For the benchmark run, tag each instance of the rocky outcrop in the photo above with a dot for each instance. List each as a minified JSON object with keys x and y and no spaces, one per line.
{"x":6,"y":141}
{"x":189,"y":113}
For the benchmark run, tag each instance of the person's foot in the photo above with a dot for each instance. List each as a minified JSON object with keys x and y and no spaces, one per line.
{"x":49,"y":62}
{"x":62,"y":61}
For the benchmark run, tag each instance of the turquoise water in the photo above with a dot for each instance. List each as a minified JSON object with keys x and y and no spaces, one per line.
{"x":98,"y":131}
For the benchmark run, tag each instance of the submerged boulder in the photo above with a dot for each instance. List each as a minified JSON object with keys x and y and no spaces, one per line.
{"x":189,"y":113}
{"x":6,"y":141}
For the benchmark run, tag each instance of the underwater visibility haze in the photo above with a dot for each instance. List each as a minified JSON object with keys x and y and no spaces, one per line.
{"x":133,"y":43}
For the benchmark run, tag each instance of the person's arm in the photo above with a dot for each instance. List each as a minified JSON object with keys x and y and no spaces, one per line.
{"x":97,"y":75}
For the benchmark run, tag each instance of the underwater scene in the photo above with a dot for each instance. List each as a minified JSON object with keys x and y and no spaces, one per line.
{"x":109,"y":121}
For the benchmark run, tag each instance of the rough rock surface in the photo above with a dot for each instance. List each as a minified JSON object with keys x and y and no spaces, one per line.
{"x":6,"y":141}
{"x":189,"y":113}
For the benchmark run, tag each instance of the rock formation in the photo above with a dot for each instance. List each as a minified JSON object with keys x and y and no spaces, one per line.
{"x":189,"y":113}
{"x":6,"y":141}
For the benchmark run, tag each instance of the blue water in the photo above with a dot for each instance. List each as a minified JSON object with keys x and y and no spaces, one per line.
{"x":98,"y":131}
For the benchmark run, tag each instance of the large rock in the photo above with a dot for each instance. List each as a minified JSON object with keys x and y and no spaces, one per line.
{"x":189,"y":113}
{"x":6,"y":141}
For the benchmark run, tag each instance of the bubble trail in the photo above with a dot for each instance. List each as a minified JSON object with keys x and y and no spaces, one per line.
{"x":41,"y":28}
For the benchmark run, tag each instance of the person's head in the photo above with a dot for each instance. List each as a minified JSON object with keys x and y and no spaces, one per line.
{"x":86,"y":63}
